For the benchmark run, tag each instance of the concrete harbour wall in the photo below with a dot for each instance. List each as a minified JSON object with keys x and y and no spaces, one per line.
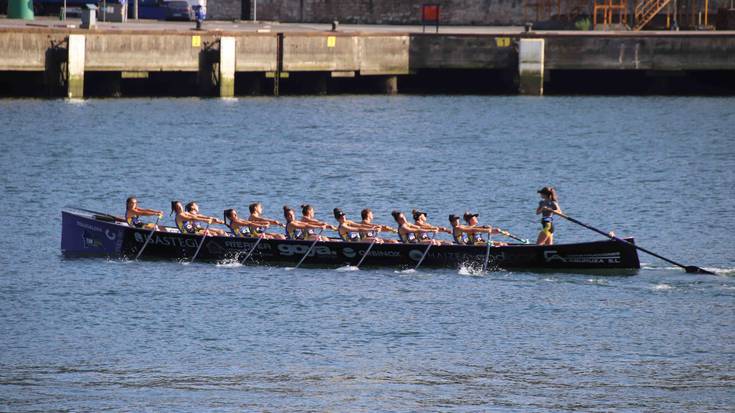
{"x":273,"y":61}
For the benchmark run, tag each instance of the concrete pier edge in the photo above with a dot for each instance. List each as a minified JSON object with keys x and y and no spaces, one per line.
{"x":227,"y":67}
{"x":531,"y":66}
{"x":256,"y":59}
{"x":75,"y":66}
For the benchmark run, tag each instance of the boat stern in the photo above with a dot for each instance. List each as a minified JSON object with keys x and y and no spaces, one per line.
{"x":83,"y":235}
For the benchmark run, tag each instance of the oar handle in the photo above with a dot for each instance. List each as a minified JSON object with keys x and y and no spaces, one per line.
{"x":515,"y":237}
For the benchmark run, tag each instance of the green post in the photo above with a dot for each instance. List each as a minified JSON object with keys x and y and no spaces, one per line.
{"x":20,"y":9}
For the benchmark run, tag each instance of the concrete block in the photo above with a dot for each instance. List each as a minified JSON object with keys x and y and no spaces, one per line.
{"x":124,"y":51}
{"x":390,"y":85}
{"x":227,"y":67}
{"x":384,"y":55}
{"x":531,"y":66}
{"x":309,"y":53}
{"x":75,"y":66}
{"x":256,"y":53}
{"x":462,"y":52}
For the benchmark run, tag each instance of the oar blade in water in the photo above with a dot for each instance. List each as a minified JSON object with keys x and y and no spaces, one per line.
{"x":691,"y":269}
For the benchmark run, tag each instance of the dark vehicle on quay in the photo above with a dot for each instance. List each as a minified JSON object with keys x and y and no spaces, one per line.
{"x":178,"y":10}
{"x":147,"y":9}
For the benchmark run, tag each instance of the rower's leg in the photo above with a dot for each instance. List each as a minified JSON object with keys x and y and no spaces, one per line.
{"x":541,"y":240}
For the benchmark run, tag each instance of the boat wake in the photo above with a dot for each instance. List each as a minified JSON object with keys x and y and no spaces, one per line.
{"x":471,"y":271}
{"x":727,"y":272}
{"x":347,"y":268}
{"x":228,"y":264}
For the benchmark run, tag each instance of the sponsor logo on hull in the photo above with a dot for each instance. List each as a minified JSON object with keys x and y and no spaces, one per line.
{"x":495,"y":257}
{"x":90,"y":240}
{"x":601,"y":258}
{"x":349,"y":252}
{"x":241,"y":245}
{"x":291,"y":249}
{"x":167,"y":241}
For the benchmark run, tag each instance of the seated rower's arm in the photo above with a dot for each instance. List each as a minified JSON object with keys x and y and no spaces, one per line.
{"x":214,"y":220}
{"x":411,"y":227}
{"x":244,"y":222}
{"x":318,"y":222}
{"x":306,"y":225}
{"x":261,"y":221}
{"x":354,"y":226}
{"x":145,"y":211}
{"x":429,"y":227}
{"x":193,"y":217}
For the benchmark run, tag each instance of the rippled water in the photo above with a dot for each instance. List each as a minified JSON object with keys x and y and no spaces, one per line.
{"x":93,"y":334}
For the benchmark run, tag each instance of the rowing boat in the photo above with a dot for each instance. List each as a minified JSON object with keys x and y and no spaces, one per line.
{"x":89,"y":233}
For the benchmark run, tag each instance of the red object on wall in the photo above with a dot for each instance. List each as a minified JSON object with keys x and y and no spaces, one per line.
{"x":430,"y":13}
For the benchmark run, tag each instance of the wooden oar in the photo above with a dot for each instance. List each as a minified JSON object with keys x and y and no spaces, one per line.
{"x":487,"y":252}
{"x":100,"y":215}
{"x":260,"y":238}
{"x":425,"y":252}
{"x":515,"y":237}
{"x":155,"y":226}
{"x":688,"y":268}
{"x":375,"y":238}
{"x":202,"y":242}
{"x":310,"y":248}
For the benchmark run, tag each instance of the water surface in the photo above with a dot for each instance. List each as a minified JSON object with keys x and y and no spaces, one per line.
{"x":95,"y":334}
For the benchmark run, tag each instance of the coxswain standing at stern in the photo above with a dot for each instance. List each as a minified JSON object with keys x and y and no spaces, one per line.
{"x":133,"y":214}
{"x":307,"y":215}
{"x":369,"y":235}
{"x":547,"y":207}
{"x":259,"y":224}
{"x":475,"y":238}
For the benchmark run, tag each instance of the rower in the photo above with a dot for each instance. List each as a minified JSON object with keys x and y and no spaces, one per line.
{"x":350,"y":231}
{"x":407,"y":231}
{"x":239,"y":227}
{"x":369,"y":235}
{"x":259,"y":224}
{"x":419,"y":218}
{"x":547,"y":207}
{"x":461,"y":233}
{"x":475,"y":238}
{"x":307,"y":215}
{"x":296,"y":230}
{"x":133,"y":214}
{"x":193,"y":208}
{"x":185,"y":221}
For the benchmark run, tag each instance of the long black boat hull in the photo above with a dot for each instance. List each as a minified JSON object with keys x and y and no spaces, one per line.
{"x":86,"y":233}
